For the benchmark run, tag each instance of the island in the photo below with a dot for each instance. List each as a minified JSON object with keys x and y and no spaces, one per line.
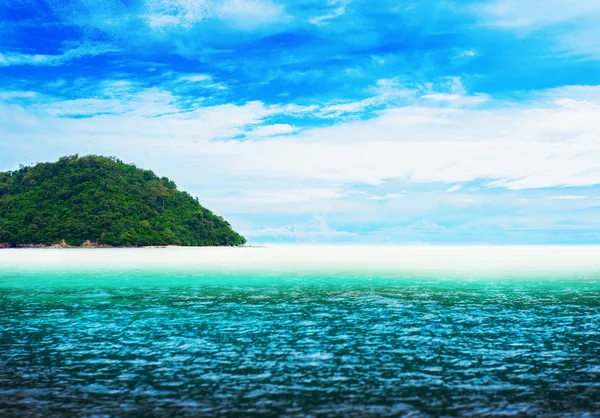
{"x":95,"y":201}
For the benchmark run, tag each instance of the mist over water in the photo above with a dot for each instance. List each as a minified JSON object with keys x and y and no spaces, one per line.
{"x":300,"y":332}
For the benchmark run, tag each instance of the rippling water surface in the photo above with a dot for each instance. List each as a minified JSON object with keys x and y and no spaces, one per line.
{"x":146,"y":342}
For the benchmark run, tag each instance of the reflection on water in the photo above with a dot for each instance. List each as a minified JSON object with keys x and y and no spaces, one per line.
{"x":298,"y":346}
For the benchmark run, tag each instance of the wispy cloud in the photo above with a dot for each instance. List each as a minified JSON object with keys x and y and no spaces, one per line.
{"x":337,"y":9}
{"x":534,"y":14}
{"x":185,"y":14}
{"x":571,"y":25}
{"x":195,"y":78}
{"x":277,"y":129}
{"x":8,"y":59}
{"x":316,"y":230}
{"x":249,"y":14}
{"x":388,"y":196}
{"x":569,"y":197}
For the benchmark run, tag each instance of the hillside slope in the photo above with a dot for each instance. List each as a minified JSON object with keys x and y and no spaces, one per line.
{"x":105,"y":201}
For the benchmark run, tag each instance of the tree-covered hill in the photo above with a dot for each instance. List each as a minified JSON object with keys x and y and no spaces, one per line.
{"x":105,"y":201}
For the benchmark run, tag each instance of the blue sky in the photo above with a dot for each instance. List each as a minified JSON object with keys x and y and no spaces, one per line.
{"x":340,"y":121}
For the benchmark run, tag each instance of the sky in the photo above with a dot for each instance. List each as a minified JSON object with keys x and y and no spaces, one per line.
{"x":333,"y":121}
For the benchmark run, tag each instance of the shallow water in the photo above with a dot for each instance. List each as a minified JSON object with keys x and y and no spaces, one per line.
{"x":146,"y":341}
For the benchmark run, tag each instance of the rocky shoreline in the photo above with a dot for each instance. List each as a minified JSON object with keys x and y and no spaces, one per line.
{"x":62,"y":244}
{"x":94,"y":245}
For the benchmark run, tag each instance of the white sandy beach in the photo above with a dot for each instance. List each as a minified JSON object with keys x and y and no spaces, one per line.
{"x":464,"y":259}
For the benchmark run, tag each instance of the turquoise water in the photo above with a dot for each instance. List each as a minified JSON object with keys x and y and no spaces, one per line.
{"x":160,"y":342}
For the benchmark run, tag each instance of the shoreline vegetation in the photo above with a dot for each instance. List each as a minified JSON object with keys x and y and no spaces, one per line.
{"x":101,"y":202}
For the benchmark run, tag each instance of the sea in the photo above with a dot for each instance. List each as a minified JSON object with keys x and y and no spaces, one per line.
{"x":294,"y":331}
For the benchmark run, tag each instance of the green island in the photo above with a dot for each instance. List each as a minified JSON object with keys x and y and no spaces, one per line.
{"x":96,"y":201}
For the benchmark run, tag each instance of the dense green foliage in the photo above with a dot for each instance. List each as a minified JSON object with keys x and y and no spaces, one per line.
{"x":104,"y":201}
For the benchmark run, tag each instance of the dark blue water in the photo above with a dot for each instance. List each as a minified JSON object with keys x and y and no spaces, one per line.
{"x":159,"y":344}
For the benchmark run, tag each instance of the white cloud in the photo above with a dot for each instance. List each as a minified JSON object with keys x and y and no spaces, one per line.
{"x":454,"y":188}
{"x":314,"y":231}
{"x":337,"y":109}
{"x":184,"y":14}
{"x":256,"y":200}
{"x":519,"y":147}
{"x":8,"y":59}
{"x":272,"y":130}
{"x":425,"y":226}
{"x":572,"y":95}
{"x":294,"y":195}
{"x":389,"y":196}
{"x":297,"y":110}
{"x":204,"y":80}
{"x":568,"y":197}
{"x":249,"y":14}
{"x":159,"y":21}
{"x":534,"y":14}
{"x":338,"y":9}
{"x":112,"y":98}
{"x":161,"y":14}
{"x":448,"y":91}
{"x":9,"y":95}
{"x":524,"y":148}
{"x":458,"y":99}
{"x":100,"y":124}
{"x":573,"y":24}
{"x":195,"y":78}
